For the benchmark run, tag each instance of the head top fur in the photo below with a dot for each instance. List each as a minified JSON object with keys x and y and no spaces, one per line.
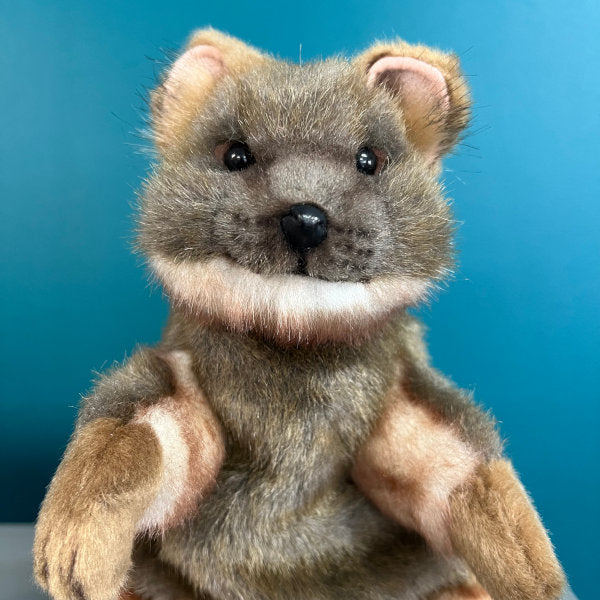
{"x":215,"y":237}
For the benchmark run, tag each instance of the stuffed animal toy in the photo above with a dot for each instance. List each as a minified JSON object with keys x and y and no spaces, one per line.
{"x":288,"y":438}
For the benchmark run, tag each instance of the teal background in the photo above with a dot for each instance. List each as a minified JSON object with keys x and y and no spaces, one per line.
{"x":520,"y":323}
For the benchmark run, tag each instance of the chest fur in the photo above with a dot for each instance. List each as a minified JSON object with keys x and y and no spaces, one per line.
{"x":284,"y":500}
{"x":293,"y":411}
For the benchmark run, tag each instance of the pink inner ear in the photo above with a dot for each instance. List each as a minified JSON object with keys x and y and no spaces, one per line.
{"x":415,"y":79}
{"x":199,"y":59}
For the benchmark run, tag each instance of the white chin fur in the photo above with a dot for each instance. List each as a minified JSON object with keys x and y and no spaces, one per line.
{"x":288,"y":308}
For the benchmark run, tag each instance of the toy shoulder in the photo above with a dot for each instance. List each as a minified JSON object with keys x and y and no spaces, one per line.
{"x":142,"y":379}
{"x":427,"y":386}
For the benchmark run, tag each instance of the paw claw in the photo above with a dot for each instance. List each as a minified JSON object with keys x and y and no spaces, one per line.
{"x":83,"y":559}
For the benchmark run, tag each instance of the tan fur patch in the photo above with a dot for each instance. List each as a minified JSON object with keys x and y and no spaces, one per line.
{"x":425,"y":133}
{"x":190,"y":83}
{"x":462,"y":592}
{"x":288,"y":308}
{"x":410,"y":465}
{"x":87,"y":522}
{"x":129,"y":596}
{"x":119,"y":479}
{"x":423,"y":93}
{"x":496,"y":529}
{"x":192,"y":447}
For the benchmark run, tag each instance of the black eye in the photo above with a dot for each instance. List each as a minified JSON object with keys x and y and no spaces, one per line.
{"x":238,"y":156}
{"x":366,"y":161}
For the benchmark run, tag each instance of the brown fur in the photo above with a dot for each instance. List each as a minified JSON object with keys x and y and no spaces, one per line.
{"x":495,"y":527}
{"x":410,"y":465}
{"x":176,"y":102}
{"x":471,"y":591}
{"x":293,"y":420}
{"x":117,"y":473}
{"x":438,"y":129}
{"x":273,"y":429}
{"x":88,"y":519}
{"x":123,"y":390}
{"x":200,"y":434}
{"x":153,"y":580}
{"x":417,"y":471}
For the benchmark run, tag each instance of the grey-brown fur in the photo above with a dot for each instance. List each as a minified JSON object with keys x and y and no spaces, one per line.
{"x":285,"y":519}
{"x":143,"y":380}
{"x":304,"y":126}
{"x":294,"y":419}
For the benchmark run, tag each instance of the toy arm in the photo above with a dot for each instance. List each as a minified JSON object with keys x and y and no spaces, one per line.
{"x":145,"y":450}
{"x":433,"y":463}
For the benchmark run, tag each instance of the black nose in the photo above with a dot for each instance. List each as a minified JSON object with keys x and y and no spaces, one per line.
{"x":304,"y":227}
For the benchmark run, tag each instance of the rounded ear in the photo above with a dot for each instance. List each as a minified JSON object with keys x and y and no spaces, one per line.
{"x":189,"y":82}
{"x":430,"y":91}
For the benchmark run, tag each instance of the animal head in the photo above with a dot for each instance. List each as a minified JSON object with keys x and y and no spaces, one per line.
{"x":301,"y":201}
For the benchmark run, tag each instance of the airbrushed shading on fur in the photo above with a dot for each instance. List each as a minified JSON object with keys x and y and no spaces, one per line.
{"x":288,"y":437}
{"x":192,"y":448}
{"x":463,"y":592}
{"x":410,"y":466}
{"x":288,"y":308}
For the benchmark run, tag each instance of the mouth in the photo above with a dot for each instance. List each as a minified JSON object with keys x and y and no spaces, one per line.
{"x":302,"y":268}
{"x":289,"y":309}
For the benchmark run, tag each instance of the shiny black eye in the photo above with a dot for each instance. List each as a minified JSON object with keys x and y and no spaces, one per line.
{"x":366,"y":161}
{"x":238,"y":156}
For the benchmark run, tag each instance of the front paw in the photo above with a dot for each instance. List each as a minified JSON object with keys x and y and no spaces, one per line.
{"x":83,"y":557}
{"x":498,"y":532}
{"x":88,"y":521}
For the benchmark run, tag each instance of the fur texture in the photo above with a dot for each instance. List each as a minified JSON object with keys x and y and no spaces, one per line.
{"x":471,"y":591}
{"x":513,"y":556}
{"x":289,"y":308}
{"x":192,"y":448}
{"x":434,"y":130}
{"x":121,"y":477}
{"x":190,"y":81}
{"x":89,"y":516}
{"x":392,"y":228}
{"x":410,"y":465}
{"x":288,"y":438}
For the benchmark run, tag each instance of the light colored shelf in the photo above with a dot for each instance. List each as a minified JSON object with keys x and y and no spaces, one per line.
{"x":16,"y":578}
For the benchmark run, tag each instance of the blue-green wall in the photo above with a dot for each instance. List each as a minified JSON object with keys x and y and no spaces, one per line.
{"x":520,"y":324}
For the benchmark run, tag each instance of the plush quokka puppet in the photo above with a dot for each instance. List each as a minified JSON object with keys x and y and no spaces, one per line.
{"x":287,"y":439}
